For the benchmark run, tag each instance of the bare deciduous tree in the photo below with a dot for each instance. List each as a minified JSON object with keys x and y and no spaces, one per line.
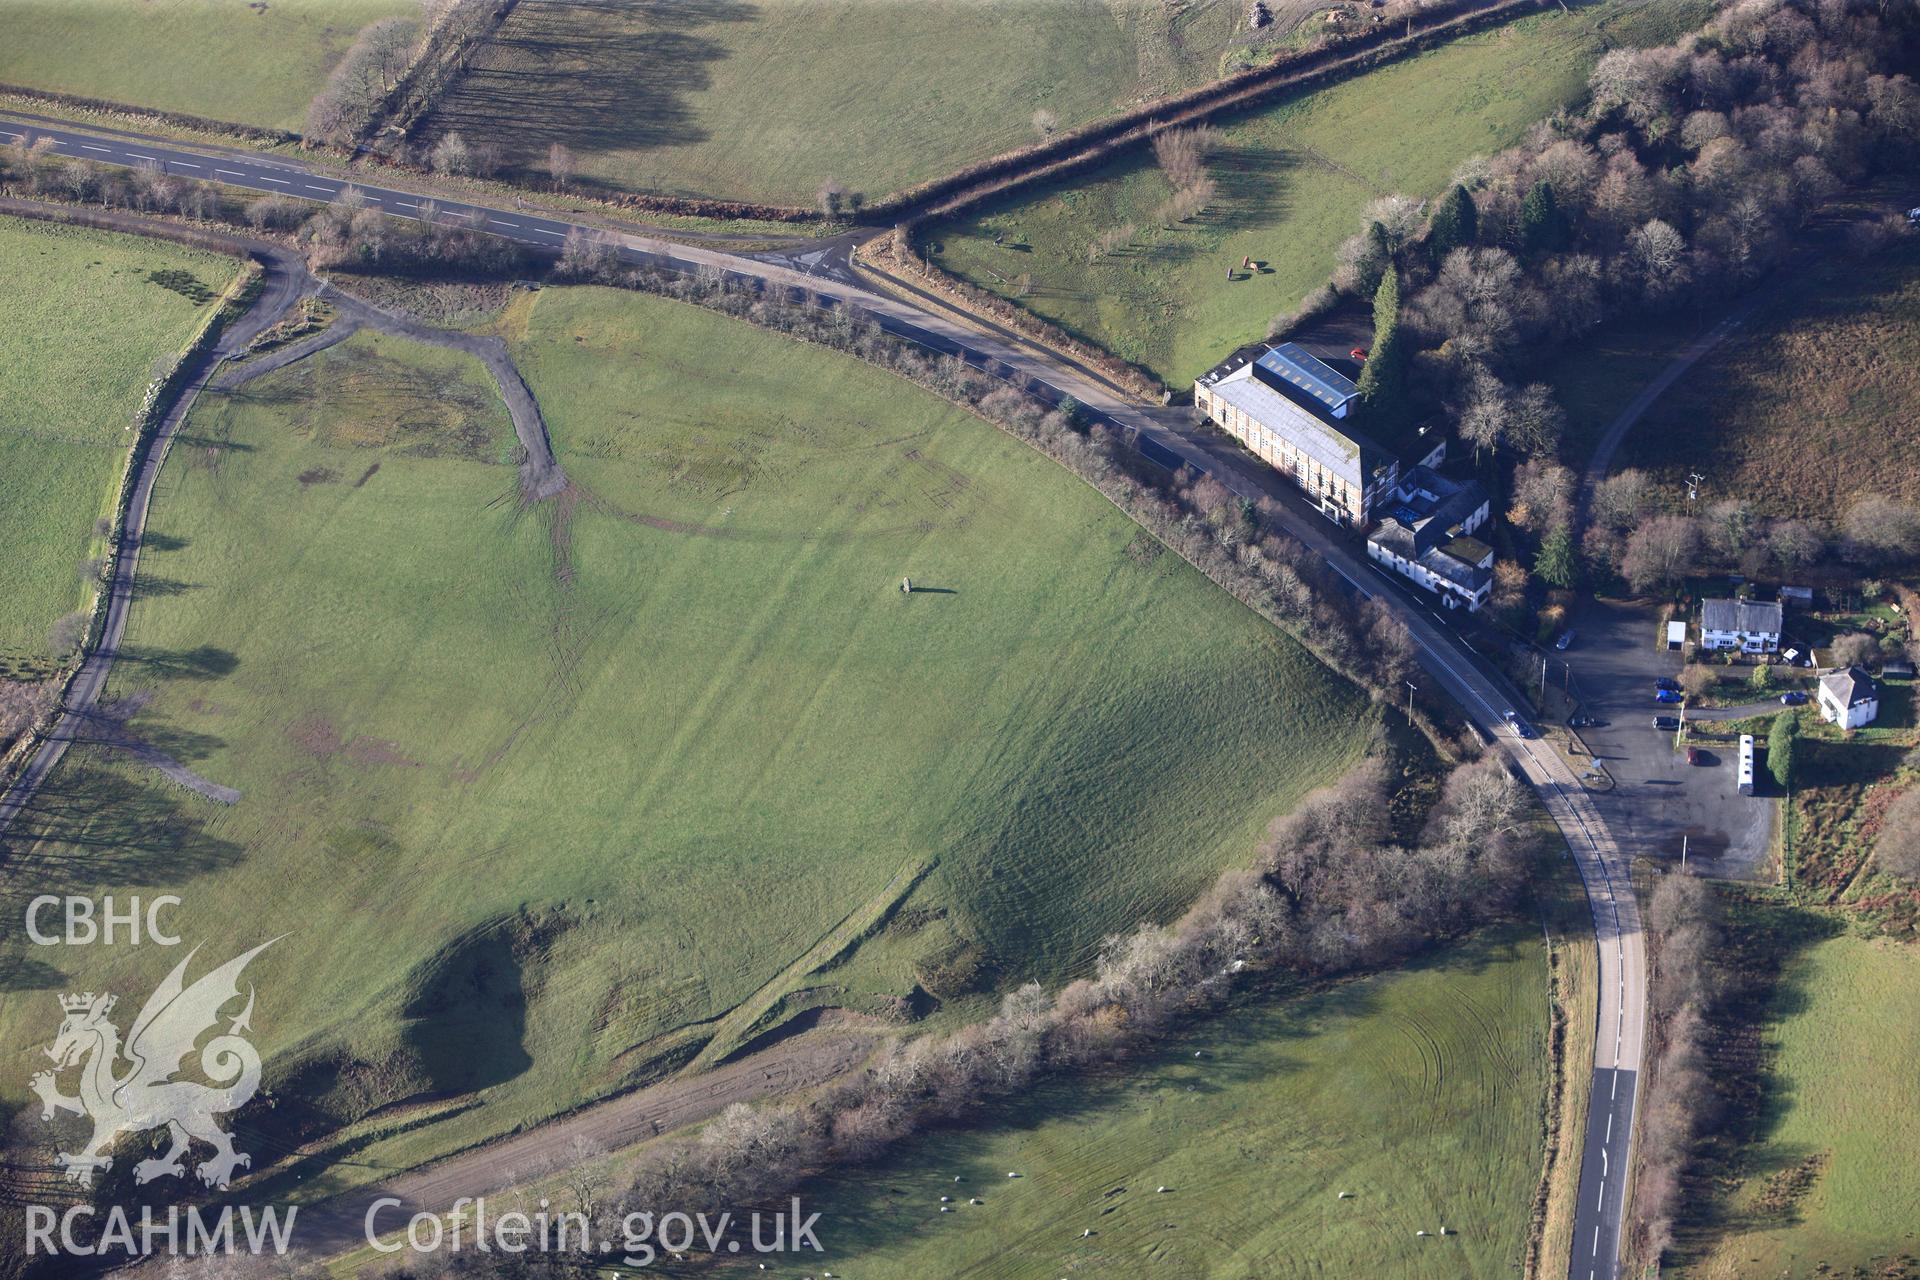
{"x":1182,"y":154}
{"x":1882,"y":528}
{"x":559,"y":165}
{"x":1660,"y":552}
{"x":1854,"y":649}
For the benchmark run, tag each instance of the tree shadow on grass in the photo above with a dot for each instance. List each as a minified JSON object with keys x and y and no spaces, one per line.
{"x":614,"y":75}
{"x":206,"y":662}
{"x":149,"y":586}
{"x":91,"y":825}
{"x":1252,"y":182}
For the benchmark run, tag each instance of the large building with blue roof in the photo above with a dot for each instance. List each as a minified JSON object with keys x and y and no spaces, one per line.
{"x":1291,"y":409}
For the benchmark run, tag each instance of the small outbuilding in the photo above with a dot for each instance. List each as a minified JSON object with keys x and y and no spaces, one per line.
{"x":1676,"y":635}
{"x":1849,"y":698}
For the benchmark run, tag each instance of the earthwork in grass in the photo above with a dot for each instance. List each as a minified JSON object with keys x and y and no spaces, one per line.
{"x":551,"y":799}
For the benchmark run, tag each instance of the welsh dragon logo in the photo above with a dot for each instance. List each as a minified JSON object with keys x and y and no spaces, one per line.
{"x":133,"y":1087}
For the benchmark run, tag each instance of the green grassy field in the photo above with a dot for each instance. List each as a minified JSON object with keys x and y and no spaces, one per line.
{"x":1814,"y":401}
{"x":767,"y":101}
{"x":1832,"y":1186}
{"x":538,"y":793}
{"x":86,"y":326}
{"x":219,"y":59}
{"x":1419,"y":1091}
{"x":1293,"y":180}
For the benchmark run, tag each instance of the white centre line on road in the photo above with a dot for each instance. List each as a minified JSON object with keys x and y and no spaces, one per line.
{"x":311,"y":187}
{"x":231,"y":173}
{"x":502,"y":222}
{"x":542,"y":231}
{"x":1601,"y":1200}
{"x":84,"y":147}
{"x":184,"y":165}
{"x":1596,"y":1242}
{"x":277,"y":181}
{"x":406,"y":204}
{"x":137,"y":156}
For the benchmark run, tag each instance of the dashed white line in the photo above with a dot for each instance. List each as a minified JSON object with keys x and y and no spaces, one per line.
{"x":311,"y":187}
{"x":501,"y":222}
{"x":276,"y":181}
{"x":231,"y":173}
{"x":184,"y":165}
{"x":136,"y":156}
{"x":85,"y":147}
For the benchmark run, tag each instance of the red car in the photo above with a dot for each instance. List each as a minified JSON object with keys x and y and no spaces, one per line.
{"x":1358,"y":353}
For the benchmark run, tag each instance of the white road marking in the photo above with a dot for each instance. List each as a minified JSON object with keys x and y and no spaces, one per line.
{"x":278,"y":181}
{"x":542,"y":231}
{"x":1602,"y":1200}
{"x":502,"y":222}
{"x":137,"y":156}
{"x":311,"y":187}
{"x":85,"y":147}
{"x":1596,"y":1242}
{"x":406,"y":204}
{"x":231,"y":173}
{"x":184,"y":165}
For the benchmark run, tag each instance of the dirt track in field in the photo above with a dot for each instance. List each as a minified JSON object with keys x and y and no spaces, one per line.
{"x":802,"y":1062}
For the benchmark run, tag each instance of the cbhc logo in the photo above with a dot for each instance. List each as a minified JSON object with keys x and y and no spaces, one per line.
{"x":86,"y":924}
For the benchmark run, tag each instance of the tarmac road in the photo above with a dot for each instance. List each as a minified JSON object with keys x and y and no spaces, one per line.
{"x":1168,"y":436}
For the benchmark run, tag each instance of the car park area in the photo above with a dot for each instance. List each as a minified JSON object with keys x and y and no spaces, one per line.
{"x":1663,"y":795}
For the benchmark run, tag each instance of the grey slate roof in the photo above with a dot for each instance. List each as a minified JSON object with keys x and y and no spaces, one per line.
{"x":1427,"y":523}
{"x":1850,"y":687}
{"x":1470,"y":577}
{"x":1757,"y":617}
{"x":1334,"y":449}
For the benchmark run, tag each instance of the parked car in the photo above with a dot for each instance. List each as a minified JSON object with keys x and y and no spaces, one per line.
{"x":1669,"y":723}
{"x":1668,"y":695}
{"x":1793,"y":698}
{"x":1579,"y":722}
{"x":1667,"y":682}
{"x":1696,"y":756}
{"x":1519,"y":726}
{"x":1564,"y":642}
